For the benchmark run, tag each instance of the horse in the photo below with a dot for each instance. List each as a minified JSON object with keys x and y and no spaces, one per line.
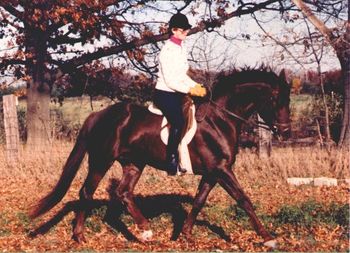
{"x":130,"y":134}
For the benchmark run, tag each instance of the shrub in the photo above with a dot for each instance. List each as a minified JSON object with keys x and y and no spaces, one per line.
{"x":4,"y":222}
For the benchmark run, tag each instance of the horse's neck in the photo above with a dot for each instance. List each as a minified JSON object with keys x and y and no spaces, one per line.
{"x":239,"y":106}
{"x":250,"y":97}
{"x":247,"y":110}
{"x":223,"y":124}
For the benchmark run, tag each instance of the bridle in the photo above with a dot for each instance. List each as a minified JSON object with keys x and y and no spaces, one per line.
{"x":255,"y":123}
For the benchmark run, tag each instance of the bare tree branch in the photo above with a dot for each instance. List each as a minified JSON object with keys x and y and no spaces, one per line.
{"x":8,"y":62}
{"x":314,"y":20}
{"x":277,"y":42}
{"x":10,"y":9}
{"x":73,"y":63}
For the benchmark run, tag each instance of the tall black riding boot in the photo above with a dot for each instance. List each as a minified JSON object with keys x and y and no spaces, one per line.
{"x":172,"y":152}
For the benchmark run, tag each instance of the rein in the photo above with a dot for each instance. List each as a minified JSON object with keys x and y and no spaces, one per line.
{"x":260,"y":124}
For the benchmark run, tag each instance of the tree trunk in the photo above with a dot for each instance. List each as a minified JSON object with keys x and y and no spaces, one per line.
{"x":38,"y":93}
{"x":327,"y":131}
{"x":38,"y":118}
{"x":344,"y":57}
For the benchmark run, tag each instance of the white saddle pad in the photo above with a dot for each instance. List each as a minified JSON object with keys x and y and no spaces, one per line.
{"x":184,"y":155}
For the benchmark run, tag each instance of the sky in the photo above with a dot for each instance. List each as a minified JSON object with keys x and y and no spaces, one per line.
{"x":255,"y":51}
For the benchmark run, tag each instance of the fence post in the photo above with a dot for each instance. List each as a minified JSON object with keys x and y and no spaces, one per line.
{"x":265,"y":141}
{"x":11,"y":128}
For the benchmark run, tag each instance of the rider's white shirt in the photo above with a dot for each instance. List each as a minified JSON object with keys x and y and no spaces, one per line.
{"x":173,"y":67}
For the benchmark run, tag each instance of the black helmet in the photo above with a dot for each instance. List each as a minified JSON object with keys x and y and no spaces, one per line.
{"x":179,"y":20}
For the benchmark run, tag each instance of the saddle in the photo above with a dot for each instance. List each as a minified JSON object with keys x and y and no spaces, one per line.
{"x":188,"y":110}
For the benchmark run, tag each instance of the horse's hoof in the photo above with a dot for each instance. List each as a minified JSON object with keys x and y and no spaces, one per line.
{"x":146,"y":235}
{"x":79,"y":238}
{"x":273,"y":244}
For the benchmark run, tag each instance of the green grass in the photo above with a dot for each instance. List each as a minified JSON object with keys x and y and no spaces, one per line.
{"x":305,"y":214}
{"x":127,"y":219}
{"x":311,"y":212}
{"x":95,"y":221}
{"x":75,"y":110}
{"x":4,"y":222}
{"x":23,"y":219}
{"x":66,"y":119}
{"x":301,"y":106}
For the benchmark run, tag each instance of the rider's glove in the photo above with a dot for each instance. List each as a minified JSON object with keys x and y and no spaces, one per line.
{"x":198,"y":90}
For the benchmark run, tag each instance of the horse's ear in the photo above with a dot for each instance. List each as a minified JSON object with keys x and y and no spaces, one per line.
{"x":282,"y":74}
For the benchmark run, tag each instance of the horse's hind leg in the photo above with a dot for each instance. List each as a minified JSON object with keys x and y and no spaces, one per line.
{"x":97,"y":170}
{"x":230,"y":183}
{"x":205,"y":186}
{"x":131,"y":175}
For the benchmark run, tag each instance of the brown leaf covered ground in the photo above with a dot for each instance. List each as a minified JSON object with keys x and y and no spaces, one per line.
{"x":166,"y":200}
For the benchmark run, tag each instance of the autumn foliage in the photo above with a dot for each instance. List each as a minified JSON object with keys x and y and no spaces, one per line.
{"x":303,"y":218}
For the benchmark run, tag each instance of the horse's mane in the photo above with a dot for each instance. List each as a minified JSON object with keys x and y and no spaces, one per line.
{"x":225,"y":81}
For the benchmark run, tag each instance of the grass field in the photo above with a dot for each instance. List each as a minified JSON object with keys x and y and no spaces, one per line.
{"x":72,"y":113}
{"x":304,"y":218}
{"x":75,"y":110}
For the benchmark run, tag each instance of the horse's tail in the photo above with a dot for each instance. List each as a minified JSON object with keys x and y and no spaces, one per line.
{"x":70,"y":169}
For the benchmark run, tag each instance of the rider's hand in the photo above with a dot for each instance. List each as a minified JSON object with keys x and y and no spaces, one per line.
{"x":203,"y":90}
{"x":198,"y":90}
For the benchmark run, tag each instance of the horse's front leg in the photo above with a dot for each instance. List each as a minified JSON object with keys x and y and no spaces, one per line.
{"x":230,"y":183}
{"x":205,"y":186}
{"x":131,"y":175}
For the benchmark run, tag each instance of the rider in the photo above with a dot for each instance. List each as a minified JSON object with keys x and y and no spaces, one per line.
{"x":173,"y":84}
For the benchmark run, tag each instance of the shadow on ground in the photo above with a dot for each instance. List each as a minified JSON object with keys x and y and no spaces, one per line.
{"x":150,"y":206}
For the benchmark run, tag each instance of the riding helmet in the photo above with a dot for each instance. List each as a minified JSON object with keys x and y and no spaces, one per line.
{"x":179,"y":20}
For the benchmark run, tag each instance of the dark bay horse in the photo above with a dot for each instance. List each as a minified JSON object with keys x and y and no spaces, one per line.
{"x":129,"y":134}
